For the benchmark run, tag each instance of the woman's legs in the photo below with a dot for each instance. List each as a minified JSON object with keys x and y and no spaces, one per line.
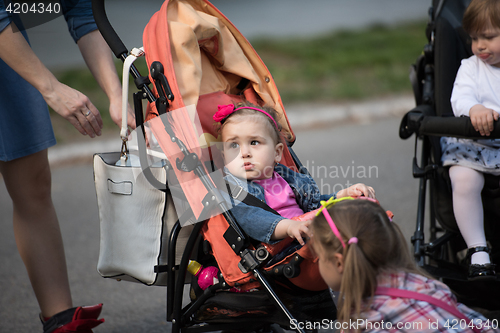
{"x":36,"y":228}
{"x":467,"y":185}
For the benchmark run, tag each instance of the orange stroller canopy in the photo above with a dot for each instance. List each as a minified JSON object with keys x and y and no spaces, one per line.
{"x":207,"y":62}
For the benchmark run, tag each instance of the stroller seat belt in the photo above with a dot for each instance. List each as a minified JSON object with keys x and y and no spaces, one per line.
{"x":237,"y":192}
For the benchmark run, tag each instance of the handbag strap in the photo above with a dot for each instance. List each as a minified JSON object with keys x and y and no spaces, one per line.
{"x":403,"y":293}
{"x":134,"y":54}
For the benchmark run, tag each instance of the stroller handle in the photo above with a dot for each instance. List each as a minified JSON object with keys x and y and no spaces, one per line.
{"x":107,"y":31}
{"x":454,"y":126}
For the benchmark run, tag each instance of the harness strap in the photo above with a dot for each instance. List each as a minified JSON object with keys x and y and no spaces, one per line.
{"x":237,"y":192}
{"x":395,"y":292}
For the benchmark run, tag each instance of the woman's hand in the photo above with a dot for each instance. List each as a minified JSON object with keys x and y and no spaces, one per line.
{"x":115,"y":111}
{"x":66,"y":101}
{"x":482,"y":119}
{"x":98,"y":58}
{"x":357,"y":190}
{"x":74,"y":107}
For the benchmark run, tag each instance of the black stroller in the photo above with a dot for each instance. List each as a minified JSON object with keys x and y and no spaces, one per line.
{"x":441,"y":251}
{"x":192,"y":39}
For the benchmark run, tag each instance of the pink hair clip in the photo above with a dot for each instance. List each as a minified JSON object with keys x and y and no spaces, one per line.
{"x":226,"y":110}
{"x":336,"y":231}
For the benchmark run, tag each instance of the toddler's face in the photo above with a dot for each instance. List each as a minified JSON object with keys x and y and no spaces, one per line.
{"x":250,"y":151}
{"x":486,"y":45}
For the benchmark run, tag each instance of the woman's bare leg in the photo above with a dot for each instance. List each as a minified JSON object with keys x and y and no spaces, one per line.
{"x":36,"y":229}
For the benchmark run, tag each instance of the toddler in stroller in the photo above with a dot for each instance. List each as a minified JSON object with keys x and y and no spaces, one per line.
{"x":475,"y":95}
{"x":252,"y":151}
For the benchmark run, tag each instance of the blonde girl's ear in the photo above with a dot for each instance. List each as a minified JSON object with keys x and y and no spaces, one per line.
{"x":339,"y":262}
{"x":278,"y":152}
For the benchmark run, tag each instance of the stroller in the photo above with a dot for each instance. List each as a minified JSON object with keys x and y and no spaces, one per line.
{"x":442,"y":252}
{"x":197,"y":60}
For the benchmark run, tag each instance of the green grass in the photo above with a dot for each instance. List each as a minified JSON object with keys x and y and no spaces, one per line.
{"x":341,"y":66}
{"x":344,"y":65}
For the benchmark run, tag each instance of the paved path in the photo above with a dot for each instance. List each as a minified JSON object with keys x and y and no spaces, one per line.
{"x":371,"y":127}
{"x":334,"y":155}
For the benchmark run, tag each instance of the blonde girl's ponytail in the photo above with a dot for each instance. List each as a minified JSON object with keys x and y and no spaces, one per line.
{"x":358,"y":279}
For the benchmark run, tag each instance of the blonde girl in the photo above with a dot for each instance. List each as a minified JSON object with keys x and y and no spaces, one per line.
{"x":364,"y":255}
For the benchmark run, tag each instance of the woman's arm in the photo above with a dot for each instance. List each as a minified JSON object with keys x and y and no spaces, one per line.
{"x":99,"y":60}
{"x":97,"y":54}
{"x":66,"y":101}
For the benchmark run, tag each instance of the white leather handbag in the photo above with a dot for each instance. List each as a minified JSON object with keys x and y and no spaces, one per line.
{"x":135,"y":217}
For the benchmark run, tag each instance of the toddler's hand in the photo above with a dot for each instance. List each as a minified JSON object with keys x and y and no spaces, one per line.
{"x":482,"y":119}
{"x":357,"y":190}
{"x":297,"y":229}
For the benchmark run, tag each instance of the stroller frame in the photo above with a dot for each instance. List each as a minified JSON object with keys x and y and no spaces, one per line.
{"x":430,"y":119}
{"x":181,"y":317}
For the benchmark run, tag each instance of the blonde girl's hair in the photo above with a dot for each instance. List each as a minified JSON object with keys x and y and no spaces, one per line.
{"x":276,"y":131}
{"x":380,"y":247}
{"x":479,"y":14}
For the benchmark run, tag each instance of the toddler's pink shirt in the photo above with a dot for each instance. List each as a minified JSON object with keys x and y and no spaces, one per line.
{"x":279,"y":196}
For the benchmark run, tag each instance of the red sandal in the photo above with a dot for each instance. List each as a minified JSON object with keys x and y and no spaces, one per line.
{"x":75,"y":320}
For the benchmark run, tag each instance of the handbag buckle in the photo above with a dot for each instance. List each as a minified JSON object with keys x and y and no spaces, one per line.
{"x":124,"y":151}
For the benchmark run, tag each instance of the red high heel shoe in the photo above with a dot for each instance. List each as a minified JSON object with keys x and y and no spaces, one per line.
{"x":76,"y":320}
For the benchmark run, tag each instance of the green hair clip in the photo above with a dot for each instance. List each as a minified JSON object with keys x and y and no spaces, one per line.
{"x":330,"y":202}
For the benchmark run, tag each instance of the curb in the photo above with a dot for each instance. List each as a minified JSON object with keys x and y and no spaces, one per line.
{"x":308,"y":115}
{"x":300,"y":116}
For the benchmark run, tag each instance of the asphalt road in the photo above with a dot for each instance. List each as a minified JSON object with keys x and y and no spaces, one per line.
{"x":373,"y":150}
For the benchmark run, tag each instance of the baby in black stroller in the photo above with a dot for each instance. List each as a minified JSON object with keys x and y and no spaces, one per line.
{"x":475,"y":95}
{"x":455,"y":138}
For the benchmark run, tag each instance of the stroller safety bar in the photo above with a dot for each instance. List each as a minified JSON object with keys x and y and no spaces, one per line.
{"x":416,"y":121}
